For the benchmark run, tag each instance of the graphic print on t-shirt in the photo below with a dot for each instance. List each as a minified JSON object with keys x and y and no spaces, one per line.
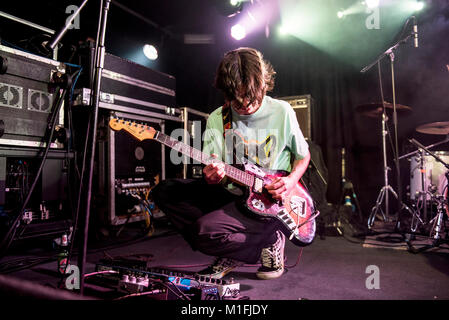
{"x":258,"y":151}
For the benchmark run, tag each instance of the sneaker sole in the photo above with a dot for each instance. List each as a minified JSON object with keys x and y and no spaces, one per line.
{"x":270,"y":275}
{"x":216,"y":275}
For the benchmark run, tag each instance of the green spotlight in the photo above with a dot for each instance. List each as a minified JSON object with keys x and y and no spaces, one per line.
{"x":283,"y":30}
{"x":289,"y":27}
{"x":234,"y":2}
{"x":418,"y":5}
{"x":372,"y":3}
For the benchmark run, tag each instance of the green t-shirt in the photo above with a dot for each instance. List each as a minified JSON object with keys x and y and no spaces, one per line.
{"x":268,"y":137}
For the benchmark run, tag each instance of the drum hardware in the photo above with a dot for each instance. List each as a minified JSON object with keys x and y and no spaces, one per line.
{"x":423,"y":203}
{"x":440,"y":128}
{"x":437,"y":198}
{"x":421,"y":192}
{"x":375,"y":109}
{"x":437,"y":221}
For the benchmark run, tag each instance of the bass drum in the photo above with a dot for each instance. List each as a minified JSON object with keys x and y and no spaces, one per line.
{"x":434,"y":174}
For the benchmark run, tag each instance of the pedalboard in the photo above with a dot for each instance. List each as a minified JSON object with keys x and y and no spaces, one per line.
{"x":133,"y":276}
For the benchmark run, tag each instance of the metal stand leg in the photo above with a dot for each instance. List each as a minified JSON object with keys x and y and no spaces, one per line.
{"x":438,"y":220}
{"x":421,"y":203}
{"x":378,"y":207}
{"x":383,"y":194}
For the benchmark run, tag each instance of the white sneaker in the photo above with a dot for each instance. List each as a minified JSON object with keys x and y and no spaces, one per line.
{"x":220,"y":268}
{"x":272,"y":259}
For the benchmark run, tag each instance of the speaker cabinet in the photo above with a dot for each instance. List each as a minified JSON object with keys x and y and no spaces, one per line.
{"x":303,"y":106}
{"x":27,"y":91}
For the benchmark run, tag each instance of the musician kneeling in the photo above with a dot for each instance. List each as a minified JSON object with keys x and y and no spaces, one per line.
{"x":209,"y":213}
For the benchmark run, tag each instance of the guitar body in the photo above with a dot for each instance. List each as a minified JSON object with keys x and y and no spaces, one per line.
{"x":296,"y":211}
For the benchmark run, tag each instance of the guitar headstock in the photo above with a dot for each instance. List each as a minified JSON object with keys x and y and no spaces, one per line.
{"x":138,"y":131}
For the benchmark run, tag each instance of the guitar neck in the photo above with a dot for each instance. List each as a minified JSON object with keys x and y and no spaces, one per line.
{"x":233,"y":173}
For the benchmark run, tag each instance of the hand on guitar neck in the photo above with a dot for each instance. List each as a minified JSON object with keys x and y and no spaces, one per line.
{"x":214,"y":172}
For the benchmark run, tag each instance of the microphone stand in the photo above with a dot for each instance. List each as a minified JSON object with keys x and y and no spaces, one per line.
{"x":95,"y":101}
{"x":390,"y":53}
{"x":55,"y":40}
{"x":408,"y":155}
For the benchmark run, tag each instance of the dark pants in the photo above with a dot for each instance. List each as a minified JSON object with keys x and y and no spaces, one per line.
{"x":212,"y":221}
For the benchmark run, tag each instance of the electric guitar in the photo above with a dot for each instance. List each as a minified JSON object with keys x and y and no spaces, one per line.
{"x":296,"y":211}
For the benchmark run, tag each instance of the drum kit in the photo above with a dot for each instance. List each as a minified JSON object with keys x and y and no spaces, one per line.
{"x":427,"y":201}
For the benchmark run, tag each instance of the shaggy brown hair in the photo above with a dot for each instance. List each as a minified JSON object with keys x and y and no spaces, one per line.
{"x":243,"y":71}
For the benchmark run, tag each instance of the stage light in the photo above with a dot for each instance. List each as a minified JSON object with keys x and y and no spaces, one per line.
{"x":229,"y":8}
{"x":286,"y":28}
{"x":418,"y":5}
{"x":283,"y":30}
{"x":340,"y":14}
{"x":150,"y":51}
{"x":290,"y":27}
{"x":238,"y":32}
{"x":372,"y":3}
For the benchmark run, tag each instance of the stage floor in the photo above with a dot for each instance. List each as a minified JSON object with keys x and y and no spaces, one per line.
{"x":333,"y":268}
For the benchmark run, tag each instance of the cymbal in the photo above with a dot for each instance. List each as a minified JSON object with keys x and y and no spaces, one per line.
{"x":434,"y":128}
{"x":375,"y":109}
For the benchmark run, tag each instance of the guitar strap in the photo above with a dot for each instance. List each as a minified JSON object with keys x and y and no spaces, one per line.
{"x":227,"y":125}
{"x":227,"y":117}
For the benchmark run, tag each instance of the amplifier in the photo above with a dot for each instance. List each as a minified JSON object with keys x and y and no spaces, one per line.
{"x":128,"y":169}
{"x":128,"y":104}
{"x":26,"y":97}
{"x":130,"y":87}
{"x":303,"y":106}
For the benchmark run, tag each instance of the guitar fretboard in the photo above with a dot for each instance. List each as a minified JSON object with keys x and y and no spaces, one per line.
{"x":234,"y":173}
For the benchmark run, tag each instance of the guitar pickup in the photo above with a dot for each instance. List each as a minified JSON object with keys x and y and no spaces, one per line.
{"x":258,"y":185}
